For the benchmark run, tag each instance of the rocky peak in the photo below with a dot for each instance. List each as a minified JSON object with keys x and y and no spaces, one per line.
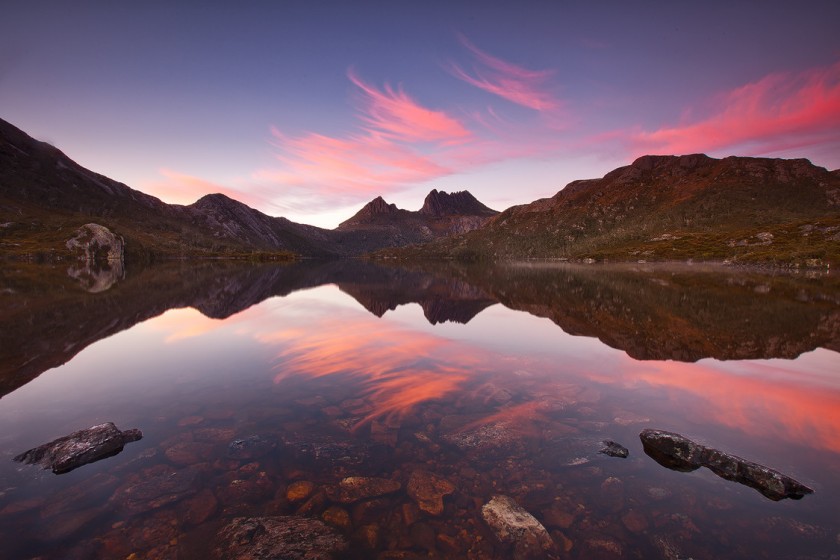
{"x":378,"y":206}
{"x":440,"y":203}
{"x":370,"y":211}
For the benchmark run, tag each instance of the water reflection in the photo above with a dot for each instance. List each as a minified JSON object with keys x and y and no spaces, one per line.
{"x":682,"y":314}
{"x":254,"y":405}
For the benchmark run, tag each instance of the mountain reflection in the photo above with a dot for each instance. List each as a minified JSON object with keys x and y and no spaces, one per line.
{"x":657,"y":313}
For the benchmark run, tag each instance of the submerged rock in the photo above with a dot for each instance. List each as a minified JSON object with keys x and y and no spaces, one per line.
{"x":285,"y":537}
{"x":428,"y":490}
{"x":159,"y":487}
{"x":355,"y":488}
{"x":251,"y":447}
{"x":681,"y":454}
{"x":80,"y":448}
{"x":514,"y":526}
{"x":613,"y":449}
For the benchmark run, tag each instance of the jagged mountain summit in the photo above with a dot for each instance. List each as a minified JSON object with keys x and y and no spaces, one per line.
{"x":461,"y":203}
{"x":45,"y":196}
{"x":441,"y":215}
{"x":671,"y":208}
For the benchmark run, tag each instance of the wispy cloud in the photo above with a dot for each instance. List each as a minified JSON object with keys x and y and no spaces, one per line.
{"x":516,"y":84}
{"x":397,"y":142}
{"x":396,"y":116}
{"x":778,"y":112}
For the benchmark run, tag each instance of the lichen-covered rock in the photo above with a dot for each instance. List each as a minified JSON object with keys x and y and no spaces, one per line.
{"x":79,"y":448}
{"x":278,"y":538}
{"x":514,"y":526}
{"x":679,"y":453}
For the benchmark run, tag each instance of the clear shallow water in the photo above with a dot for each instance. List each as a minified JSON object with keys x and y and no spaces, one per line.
{"x":500,"y":380}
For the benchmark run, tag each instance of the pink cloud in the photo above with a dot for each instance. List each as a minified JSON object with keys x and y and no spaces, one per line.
{"x":397,"y":142}
{"x":779,"y":112}
{"x":362,"y":163}
{"x":397,"y":116}
{"x":511,"y":82}
{"x":180,"y":188}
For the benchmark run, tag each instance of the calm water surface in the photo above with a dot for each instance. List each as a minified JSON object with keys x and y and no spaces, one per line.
{"x":502,"y":381}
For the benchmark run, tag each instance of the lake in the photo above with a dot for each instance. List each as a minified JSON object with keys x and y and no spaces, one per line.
{"x":395,"y":403}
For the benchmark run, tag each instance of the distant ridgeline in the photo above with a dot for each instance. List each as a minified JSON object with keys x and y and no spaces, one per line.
{"x":659,"y":208}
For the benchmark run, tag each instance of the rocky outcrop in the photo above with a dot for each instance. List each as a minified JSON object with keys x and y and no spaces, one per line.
{"x":274,"y":538}
{"x":376,"y":207}
{"x":461,"y":203}
{"x":681,"y":454}
{"x":515,"y":527}
{"x":379,"y":224}
{"x":80,"y":448}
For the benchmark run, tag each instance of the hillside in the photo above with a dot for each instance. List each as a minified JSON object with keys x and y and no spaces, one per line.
{"x":670,"y":208}
{"x":45,"y":197}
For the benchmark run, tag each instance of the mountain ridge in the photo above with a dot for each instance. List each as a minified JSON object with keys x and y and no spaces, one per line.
{"x":660,"y":207}
{"x":45,"y":196}
{"x":670,"y":208}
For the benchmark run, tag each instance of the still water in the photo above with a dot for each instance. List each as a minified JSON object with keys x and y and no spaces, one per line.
{"x":260,"y":389}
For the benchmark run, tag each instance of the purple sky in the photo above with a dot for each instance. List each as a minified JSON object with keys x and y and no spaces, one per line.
{"x":310,"y":109}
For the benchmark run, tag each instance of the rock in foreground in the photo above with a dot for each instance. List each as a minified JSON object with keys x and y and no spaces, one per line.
{"x":514,"y":526}
{"x":275,"y":538}
{"x":681,"y":454}
{"x":613,"y":449}
{"x":80,"y":448}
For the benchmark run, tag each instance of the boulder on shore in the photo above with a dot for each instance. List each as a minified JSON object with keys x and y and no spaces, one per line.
{"x":681,"y":454}
{"x":79,"y":448}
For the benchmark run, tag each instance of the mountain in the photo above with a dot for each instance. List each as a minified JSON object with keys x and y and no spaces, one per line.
{"x":45,"y":197}
{"x":658,"y":208}
{"x":670,"y":208}
{"x":460,"y":203}
{"x":442,"y":214}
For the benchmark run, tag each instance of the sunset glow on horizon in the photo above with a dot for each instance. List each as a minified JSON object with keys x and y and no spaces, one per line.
{"x":309,"y":113}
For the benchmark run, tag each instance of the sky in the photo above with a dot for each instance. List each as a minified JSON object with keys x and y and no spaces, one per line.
{"x":309,"y":109}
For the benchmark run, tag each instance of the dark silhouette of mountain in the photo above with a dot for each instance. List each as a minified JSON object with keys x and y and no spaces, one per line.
{"x":657,"y":313}
{"x":46,"y":196}
{"x":658,"y":208}
{"x":441,"y":215}
{"x":671,"y":208}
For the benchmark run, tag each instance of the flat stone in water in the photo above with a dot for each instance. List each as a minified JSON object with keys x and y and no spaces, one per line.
{"x":80,"y":448}
{"x":679,"y":453}
{"x":613,"y":449}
